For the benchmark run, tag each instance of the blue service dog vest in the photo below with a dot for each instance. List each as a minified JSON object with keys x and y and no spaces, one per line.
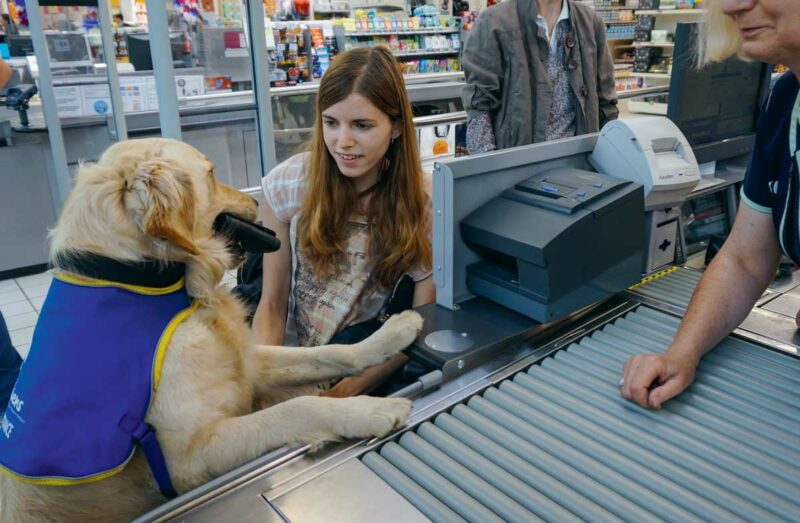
{"x":78,"y":407}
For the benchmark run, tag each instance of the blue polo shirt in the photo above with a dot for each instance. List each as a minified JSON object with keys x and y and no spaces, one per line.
{"x":772,"y":183}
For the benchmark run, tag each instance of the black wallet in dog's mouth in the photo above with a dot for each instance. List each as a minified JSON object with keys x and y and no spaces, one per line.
{"x":246,"y":236}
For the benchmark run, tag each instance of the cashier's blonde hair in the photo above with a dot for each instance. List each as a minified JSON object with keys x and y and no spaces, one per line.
{"x":719,"y":35}
{"x":399,"y":208}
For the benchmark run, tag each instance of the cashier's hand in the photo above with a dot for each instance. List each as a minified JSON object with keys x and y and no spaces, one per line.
{"x":652,"y":379}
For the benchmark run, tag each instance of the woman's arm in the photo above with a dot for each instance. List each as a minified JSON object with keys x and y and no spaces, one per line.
{"x":269,"y":321}
{"x":424,"y":293}
{"x":724,"y":296}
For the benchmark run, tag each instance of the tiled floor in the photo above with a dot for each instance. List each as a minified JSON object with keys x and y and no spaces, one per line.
{"x":22,"y":298}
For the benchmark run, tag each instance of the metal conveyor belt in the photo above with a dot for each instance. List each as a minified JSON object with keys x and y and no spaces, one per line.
{"x":558,"y":443}
{"x":674,"y":286}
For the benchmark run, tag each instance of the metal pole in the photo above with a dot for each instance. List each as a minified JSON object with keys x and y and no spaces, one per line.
{"x":60,"y":178}
{"x":117,"y":109}
{"x":258,"y":51}
{"x":161,"y":54}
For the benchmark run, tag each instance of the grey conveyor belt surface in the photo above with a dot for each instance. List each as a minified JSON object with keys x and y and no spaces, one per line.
{"x":675,"y":286}
{"x":556,"y":442}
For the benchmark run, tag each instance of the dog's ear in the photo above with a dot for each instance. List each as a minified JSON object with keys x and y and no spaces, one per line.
{"x":161,"y":199}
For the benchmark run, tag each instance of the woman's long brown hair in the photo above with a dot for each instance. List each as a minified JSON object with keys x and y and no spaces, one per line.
{"x":399,"y":208}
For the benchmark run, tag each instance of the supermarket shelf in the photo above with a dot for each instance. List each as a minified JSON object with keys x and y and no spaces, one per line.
{"x":641,"y":91}
{"x":454,"y":76}
{"x":432,"y":30}
{"x":424,"y":52}
{"x":662,"y":76}
{"x":331,"y":11}
{"x":652,"y":44}
{"x":655,"y":108}
{"x":619,"y":39}
{"x":671,"y":12}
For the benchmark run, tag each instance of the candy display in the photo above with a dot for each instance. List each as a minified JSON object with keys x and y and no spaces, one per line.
{"x":425,"y":43}
{"x":323,"y":49}
{"x":436,"y":65}
{"x":290,"y":60}
{"x":403,"y":44}
{"x":232,"y":13}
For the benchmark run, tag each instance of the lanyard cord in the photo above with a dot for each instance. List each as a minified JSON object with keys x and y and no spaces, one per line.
{"x":793,"y":128}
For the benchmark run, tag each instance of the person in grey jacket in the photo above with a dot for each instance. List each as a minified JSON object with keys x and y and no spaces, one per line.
{"x":536,"y":70}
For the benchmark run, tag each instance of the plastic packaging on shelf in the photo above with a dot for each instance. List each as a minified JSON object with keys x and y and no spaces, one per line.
{"x":289,"y":58}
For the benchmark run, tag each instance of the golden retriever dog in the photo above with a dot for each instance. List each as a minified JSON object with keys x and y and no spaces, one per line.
{"x":158,"y":199}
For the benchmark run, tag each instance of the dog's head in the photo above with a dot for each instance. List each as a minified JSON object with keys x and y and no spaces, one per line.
{"x":153,"y":198}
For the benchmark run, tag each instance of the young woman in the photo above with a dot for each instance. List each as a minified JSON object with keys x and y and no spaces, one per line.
{"x":768,"y":31}
{"x":353,"y":214}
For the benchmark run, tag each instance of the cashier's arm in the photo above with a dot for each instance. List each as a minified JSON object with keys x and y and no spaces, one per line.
{"x":5,"y":73}
{"x":726,"y":293}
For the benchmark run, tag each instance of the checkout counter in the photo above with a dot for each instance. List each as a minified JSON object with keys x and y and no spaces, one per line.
{"x":522,"y":420}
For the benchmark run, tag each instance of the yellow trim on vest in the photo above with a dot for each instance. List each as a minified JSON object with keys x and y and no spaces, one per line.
{"x":66,"y":482}
{"x":163,"y":343}
{"x":653,"y":277}
{"x":138,"y":289}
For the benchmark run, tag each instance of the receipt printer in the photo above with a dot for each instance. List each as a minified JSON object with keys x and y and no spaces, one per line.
{"x":651,"y":151}
{"x":556,"y":242}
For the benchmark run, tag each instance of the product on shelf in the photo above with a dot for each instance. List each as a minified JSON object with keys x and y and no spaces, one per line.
{"x":644,"y":57}
{"x":649,"y":5}
{"x":661,"y":65}
{"x":642,"y":35}
{"x":620,"y":30}
{"x":323,"y":49}
{"x":646,"y":22}
{"x":140,"y":13}
{"x":423,"y":43}
{"x":289,"y":60}
{"x":625,"y":81}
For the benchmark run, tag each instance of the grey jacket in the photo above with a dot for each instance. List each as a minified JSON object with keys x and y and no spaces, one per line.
{"x":502,"y":82}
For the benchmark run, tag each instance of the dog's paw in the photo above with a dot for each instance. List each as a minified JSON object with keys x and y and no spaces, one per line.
{"x":399,"y":331}
{"x":407,"y":325}
{"x":366,"y":417}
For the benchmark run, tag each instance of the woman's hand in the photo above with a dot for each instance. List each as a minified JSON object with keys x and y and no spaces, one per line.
{"x":652,"y":379}
{"x":367,"y":380}
{"x":347,"y":387}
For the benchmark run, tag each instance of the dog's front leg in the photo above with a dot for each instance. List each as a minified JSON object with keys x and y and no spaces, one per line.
{"x":275,"y":367}
{"x":231,"y":442}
